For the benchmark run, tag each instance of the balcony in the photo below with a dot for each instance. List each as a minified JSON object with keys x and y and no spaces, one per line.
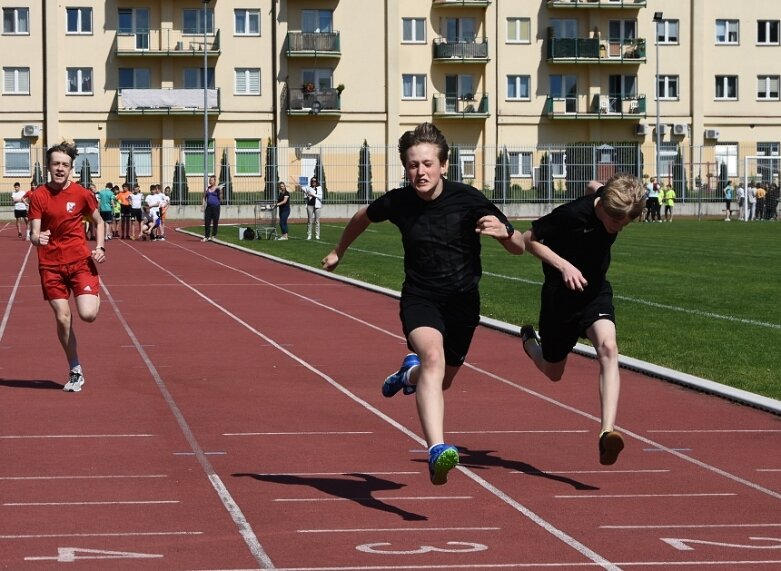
{"x":463,"y":51}
{"x":168,"y":42}
{"x":313,"y":44}
{"x":597,"y":3}
{"x":594,"y":50}
{"x":465,"y":107}
{"x":318,"y":102}
{"x":595,"y":106}
{"x":461,"y":3}
{"x":167,"y":101}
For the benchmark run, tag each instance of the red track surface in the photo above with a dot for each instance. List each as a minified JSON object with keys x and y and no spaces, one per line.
{"x":232,"y":419}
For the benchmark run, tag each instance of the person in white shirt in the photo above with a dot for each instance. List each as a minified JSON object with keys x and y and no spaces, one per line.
{"x":314,"y":202}
{"x":20,"y":198}
{"x":154,"y":201}
{"x":136,"y":204}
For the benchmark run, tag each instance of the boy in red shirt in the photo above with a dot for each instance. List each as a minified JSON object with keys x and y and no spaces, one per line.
{"x":65,"y":262}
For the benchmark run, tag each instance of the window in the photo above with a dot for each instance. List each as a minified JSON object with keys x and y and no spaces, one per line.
{"x":89,"y":150}
{"x":322,"y":79}
{"x":134,"y":78}
{"x":466,"y":159}
{"x":193,"y":78}
{"x":520,"y":163}
{"x":413,"y":30}
{"x":247,"y":22}
{"x":558,"y":163}
{"x":519,"y":87}
{"x":193,"y":156}
{"x":16,"y":81}
{"x":460,"y":29}
{"x":726,"y":87}
{"x":247,"y":81}
{"x":135,"y":22}
{"x":17,"y":157}
{"x":726,"y":31}
{"x":667,"y":87}
{"x":668,"y":154}
{"x":247,"y":157}
{"x":564,"y":28}
{"x":767,"y":87}
{"x":319,"y":21}
{"x":667,"y":32}
{"x":78,"y":20}
{"x":519,"y":31}
{"x":192,"y":22}
{"x":768,"y":169}
{"x":727,"y":154}
{"x":413,"y":86}
{"x":767,"y":32}
{"x":142,"y":156}
{"x":16,"y":20}
{"x":79,"y":81}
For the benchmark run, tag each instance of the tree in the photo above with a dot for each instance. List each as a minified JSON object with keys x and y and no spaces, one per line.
{"x":502,"y":177}
{"x":454,"y":165}
{"x":364,"y":174}
{"x":271,"y":173}
{"x":320,"y":174}
{"x":225,"y":178}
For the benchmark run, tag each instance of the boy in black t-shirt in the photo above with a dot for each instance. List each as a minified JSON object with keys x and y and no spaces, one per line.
{"x":574,"y":243}
{"x":440,"y":223}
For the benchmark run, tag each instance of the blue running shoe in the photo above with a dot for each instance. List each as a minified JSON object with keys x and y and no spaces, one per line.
{"x":395,"y":382}
{"x":441,"y":460}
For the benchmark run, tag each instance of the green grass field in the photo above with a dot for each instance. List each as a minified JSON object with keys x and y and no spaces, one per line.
{"x":701,"y":297}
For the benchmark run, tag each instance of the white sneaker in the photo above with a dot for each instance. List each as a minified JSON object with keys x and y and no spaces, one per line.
{"x":308,"y":237}
{"x":75,"y":382}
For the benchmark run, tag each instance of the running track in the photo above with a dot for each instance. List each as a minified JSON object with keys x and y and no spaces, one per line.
{"x":232,"y":419}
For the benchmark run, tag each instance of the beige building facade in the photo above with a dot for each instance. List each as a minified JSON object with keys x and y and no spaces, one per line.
{"x":316,"y":78}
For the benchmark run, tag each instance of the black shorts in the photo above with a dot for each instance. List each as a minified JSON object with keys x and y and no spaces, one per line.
{"x":125,"y":210}
{"x":107,"y":215}
{"x":456,"y":317}
{"x":136,"y":214}
{"x":20,"y":214}
{"x":566,"y":315}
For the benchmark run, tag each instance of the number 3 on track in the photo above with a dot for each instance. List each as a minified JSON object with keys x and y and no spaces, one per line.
{"x":458,"y":547}
{"x":71,"y":554}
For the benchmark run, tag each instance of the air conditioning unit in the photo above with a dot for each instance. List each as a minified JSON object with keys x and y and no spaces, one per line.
{"x":31,"y":130}
{"x":712,"y":133}
{"x":641,"y":129}
{"x":680,"y":129}
{"x":663,"y":128}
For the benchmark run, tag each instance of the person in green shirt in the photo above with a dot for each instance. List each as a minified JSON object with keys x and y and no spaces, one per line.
{"x":669,"y":201}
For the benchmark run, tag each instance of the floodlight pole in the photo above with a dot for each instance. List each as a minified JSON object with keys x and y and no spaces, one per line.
{"x":205,"y":98}
{"x":658,"y":20}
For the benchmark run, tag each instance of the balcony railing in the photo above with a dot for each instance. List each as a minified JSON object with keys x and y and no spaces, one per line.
{"x":167,"y":101}
{"x":462,"y":3}
{"x":464,"y":51}
{"x":318,"y":102}
{"x":599,"y":106}
{"x":591,"y":50}
{"x":597,"y":3}
{"x":313,"y":44}
{"x":166,"y":42}
{"x":467,"y":107}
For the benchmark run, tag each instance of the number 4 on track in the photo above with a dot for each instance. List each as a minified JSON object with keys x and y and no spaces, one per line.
{"x":71,"y":554}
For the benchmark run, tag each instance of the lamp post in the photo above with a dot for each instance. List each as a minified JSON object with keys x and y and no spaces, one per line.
{"x":658,"y":20}
{"x":205,"y":98}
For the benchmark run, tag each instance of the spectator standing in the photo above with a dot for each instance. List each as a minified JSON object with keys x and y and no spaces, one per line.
{"x":165,"y":201}
{"x":20,"y":200}
{"x":728,"y":201}
{"x":125,"y":211}
{"x":136,"y":205}
{"x":652,"y":201}
{"x":283,"y":204}
{"x":65,"y":262}
{"x":106,"y":200}
{"x":741,"y":194}
{"x":314,"y":202}
{"x":761,"y":198}
{"x":669,"y":202}
{"x":751,"y":201}
{"x":211,"y":210}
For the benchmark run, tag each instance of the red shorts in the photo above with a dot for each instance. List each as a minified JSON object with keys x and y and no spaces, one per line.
{"x":80,"y":277}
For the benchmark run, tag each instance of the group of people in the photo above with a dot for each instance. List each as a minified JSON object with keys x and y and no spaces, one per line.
{"x":130,"y":215}
{"x":313,"y":195}
{"x":21,"y":201}
{"x":441,"y":224}
{"x":656,"y":197}
{"x":757,"y":202}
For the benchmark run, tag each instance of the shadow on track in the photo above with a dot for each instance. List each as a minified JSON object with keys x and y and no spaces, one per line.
{"x":30,"y":384}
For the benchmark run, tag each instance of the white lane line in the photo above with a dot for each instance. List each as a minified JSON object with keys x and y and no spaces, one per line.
{"x":36,"y":436}
{"x":115,"y":503}
{"x":692,"y":526}
{"x":667,"y":449}
{"x":12,"y":297}
{"x":206,"y":453}
{"x":562,"y":536}
{"x":717,"y":431}
{"x":376,"y":499}
{"x":116,"y":534}
{"x":397,"y":529}
{"x":354,"y":474}
{"x":239,"y":520}
{"x":517,"y":431}
{"x":768,"y":469}
{"x":107,"y":477}
{"x":294,"y":433}
{"x":689,"y":495}
{"x":602,"y":472}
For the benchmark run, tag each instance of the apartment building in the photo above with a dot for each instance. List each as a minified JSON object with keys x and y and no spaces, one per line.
{"x":316,"y":78}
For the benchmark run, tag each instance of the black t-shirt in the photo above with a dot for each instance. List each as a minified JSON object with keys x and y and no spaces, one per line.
{"x":282,"y":194}
{"x":575,"y":233}
{"x":441,"y":247}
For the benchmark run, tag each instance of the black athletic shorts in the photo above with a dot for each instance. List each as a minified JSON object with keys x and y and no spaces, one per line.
{"x":125,"y":210}
{"x":566,"y":315}
{"x":455,"y":316}
{"x":20,"y":214}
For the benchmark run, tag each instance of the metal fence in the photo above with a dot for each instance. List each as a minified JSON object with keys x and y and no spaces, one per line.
{"x":359,"y":173}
